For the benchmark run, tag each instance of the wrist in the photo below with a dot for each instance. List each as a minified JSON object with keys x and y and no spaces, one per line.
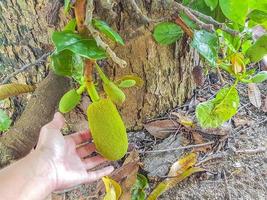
{"x":42,"y":176}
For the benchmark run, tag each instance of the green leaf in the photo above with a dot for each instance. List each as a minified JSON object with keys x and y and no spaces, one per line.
{"x":259,"y":77}
{"x":167,"y":33}
{"x":67,"y":5}
{"x":212,"y":3}
{"x":71,"y":25}
{"x":207,"y":45}
{"x":258,"y":50}
{"x":258,"y":16}
{"x":66,"y":63}
{"x":140,"y":185}
{"x":85,"y":47}
{"x":127,"y":83}
{"x":235,"y":10}
{"x":258,"y":4}
{"x":245,"y":46}
{"x":5,"y":121}
{"x":104,"y":28}
{"x":213,"y":113}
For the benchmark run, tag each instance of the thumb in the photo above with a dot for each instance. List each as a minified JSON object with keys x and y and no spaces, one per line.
{"x":58,"y":121}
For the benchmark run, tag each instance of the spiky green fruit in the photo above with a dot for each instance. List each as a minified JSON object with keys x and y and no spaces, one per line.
{"x":114,"y":92}
{"x":107,"y":129}
{"x":69,"y":101}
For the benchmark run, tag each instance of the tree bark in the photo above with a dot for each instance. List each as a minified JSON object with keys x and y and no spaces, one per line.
{"x":166,"y":70}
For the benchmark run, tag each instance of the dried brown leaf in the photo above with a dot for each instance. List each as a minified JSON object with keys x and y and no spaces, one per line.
{"x":198,"y":75}
{"x":161,"y":128}
{"x":198,"y":139}
{"x":183,"y":119}
{"x":120,"y":174}
{"x":254,"y":95}
{"x":14,"y":89}
{"x":130,"y":180}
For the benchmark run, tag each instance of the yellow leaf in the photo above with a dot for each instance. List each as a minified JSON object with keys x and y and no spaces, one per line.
{"x":14,"y":89}
{"x":178,"y":172}
{"x":113,"y":189}
{"x":138,"y":81}
{"x":237,"y":61}
{"x":184,"y":120}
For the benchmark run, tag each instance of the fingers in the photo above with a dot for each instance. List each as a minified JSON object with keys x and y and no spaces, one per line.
{"x":95,"y":175}
{"x":80,"y":137}
{"x":85,"y":150}
{"x":93,"y":162}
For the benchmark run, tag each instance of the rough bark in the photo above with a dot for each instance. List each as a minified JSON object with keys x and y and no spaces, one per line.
{"x":166,"y":70}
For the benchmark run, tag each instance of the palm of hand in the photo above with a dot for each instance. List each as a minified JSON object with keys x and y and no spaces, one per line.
{"x":67,"y":161}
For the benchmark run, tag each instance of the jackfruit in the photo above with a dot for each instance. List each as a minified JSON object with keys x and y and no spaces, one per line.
{"x":114,"y":92}
{"x":69,"y":101}
{"x":107,"y":129}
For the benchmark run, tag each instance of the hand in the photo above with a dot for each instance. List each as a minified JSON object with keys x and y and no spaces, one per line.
{"x":67,"y":163}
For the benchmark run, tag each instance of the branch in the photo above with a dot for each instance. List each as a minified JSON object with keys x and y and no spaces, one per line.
{"x":19,"y":140}
{"x":89,"y":9}
{"x":25,"y":67}
{"x":179,"y":21}
{"x":209,"y":19}
{"x":192,"y":14}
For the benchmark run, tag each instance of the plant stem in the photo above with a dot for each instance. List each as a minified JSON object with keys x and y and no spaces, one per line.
{"x":81,"y":89}
{"x":101,"y":74}
{"x":90,"y":86}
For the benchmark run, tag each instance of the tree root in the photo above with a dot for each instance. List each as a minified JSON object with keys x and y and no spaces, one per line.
{"x":23,"y":136}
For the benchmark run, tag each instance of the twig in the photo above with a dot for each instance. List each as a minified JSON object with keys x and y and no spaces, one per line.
{"x":138,"y":11}
{"x":89,"y":9}
{"x":251,"y":151}
{"x":224,"y":154}
{"x":226,"y":185}
{"x":25,"y":67}
{"x":199,"y":23}
{"x":179,"y":21}
{"x":193,"y":14}
{"x":209,"y":19}
{"x":179,"y":148}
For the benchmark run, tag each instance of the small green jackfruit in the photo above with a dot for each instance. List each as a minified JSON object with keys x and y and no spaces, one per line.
{"x":107,"y":129}
{"x":114,"y":92}
{"x":69,"y":101}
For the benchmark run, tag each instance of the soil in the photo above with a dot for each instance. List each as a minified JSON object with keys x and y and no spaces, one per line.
{"x":233,"y":175}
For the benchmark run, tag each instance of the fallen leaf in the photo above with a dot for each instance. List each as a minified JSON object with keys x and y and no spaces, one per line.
{"x":13,"y":89}
{"x":183,"y":119}
{"x":121,"y":173}
{"x":241,"y":121}
{"x":130,"y":180}
{"x":198,"y":75}
{"x":180,"y":170}
{"x":161,"y":128}
{"x":254,"y":95}
{"x":198,"y":139}
{"x":265,"y":105}
{"x":113,"y":189}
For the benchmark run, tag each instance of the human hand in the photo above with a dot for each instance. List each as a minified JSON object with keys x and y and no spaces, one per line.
{"x":67,"y":163}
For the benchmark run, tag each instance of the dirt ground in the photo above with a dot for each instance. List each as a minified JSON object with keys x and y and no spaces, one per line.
{"x":238,"y":171}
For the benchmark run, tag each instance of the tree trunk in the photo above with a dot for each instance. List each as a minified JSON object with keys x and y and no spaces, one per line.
{"x":166,"y":70}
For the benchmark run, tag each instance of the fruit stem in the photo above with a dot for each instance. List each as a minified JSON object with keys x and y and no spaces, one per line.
{"x":81,"y":89}
{"x":91,"y":90}
{"x":88,"y":78}
{"x":101,"y":74}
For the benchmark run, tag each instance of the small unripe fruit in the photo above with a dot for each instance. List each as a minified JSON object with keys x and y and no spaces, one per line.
{"x":114,"y":92}
{"x":69,"y":101}
{"x":107,"y":129}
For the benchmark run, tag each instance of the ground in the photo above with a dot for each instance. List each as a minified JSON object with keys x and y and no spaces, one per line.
{"x":238,"y":172}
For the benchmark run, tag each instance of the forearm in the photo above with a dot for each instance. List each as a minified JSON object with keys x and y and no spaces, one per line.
{"x":26,"y":179}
